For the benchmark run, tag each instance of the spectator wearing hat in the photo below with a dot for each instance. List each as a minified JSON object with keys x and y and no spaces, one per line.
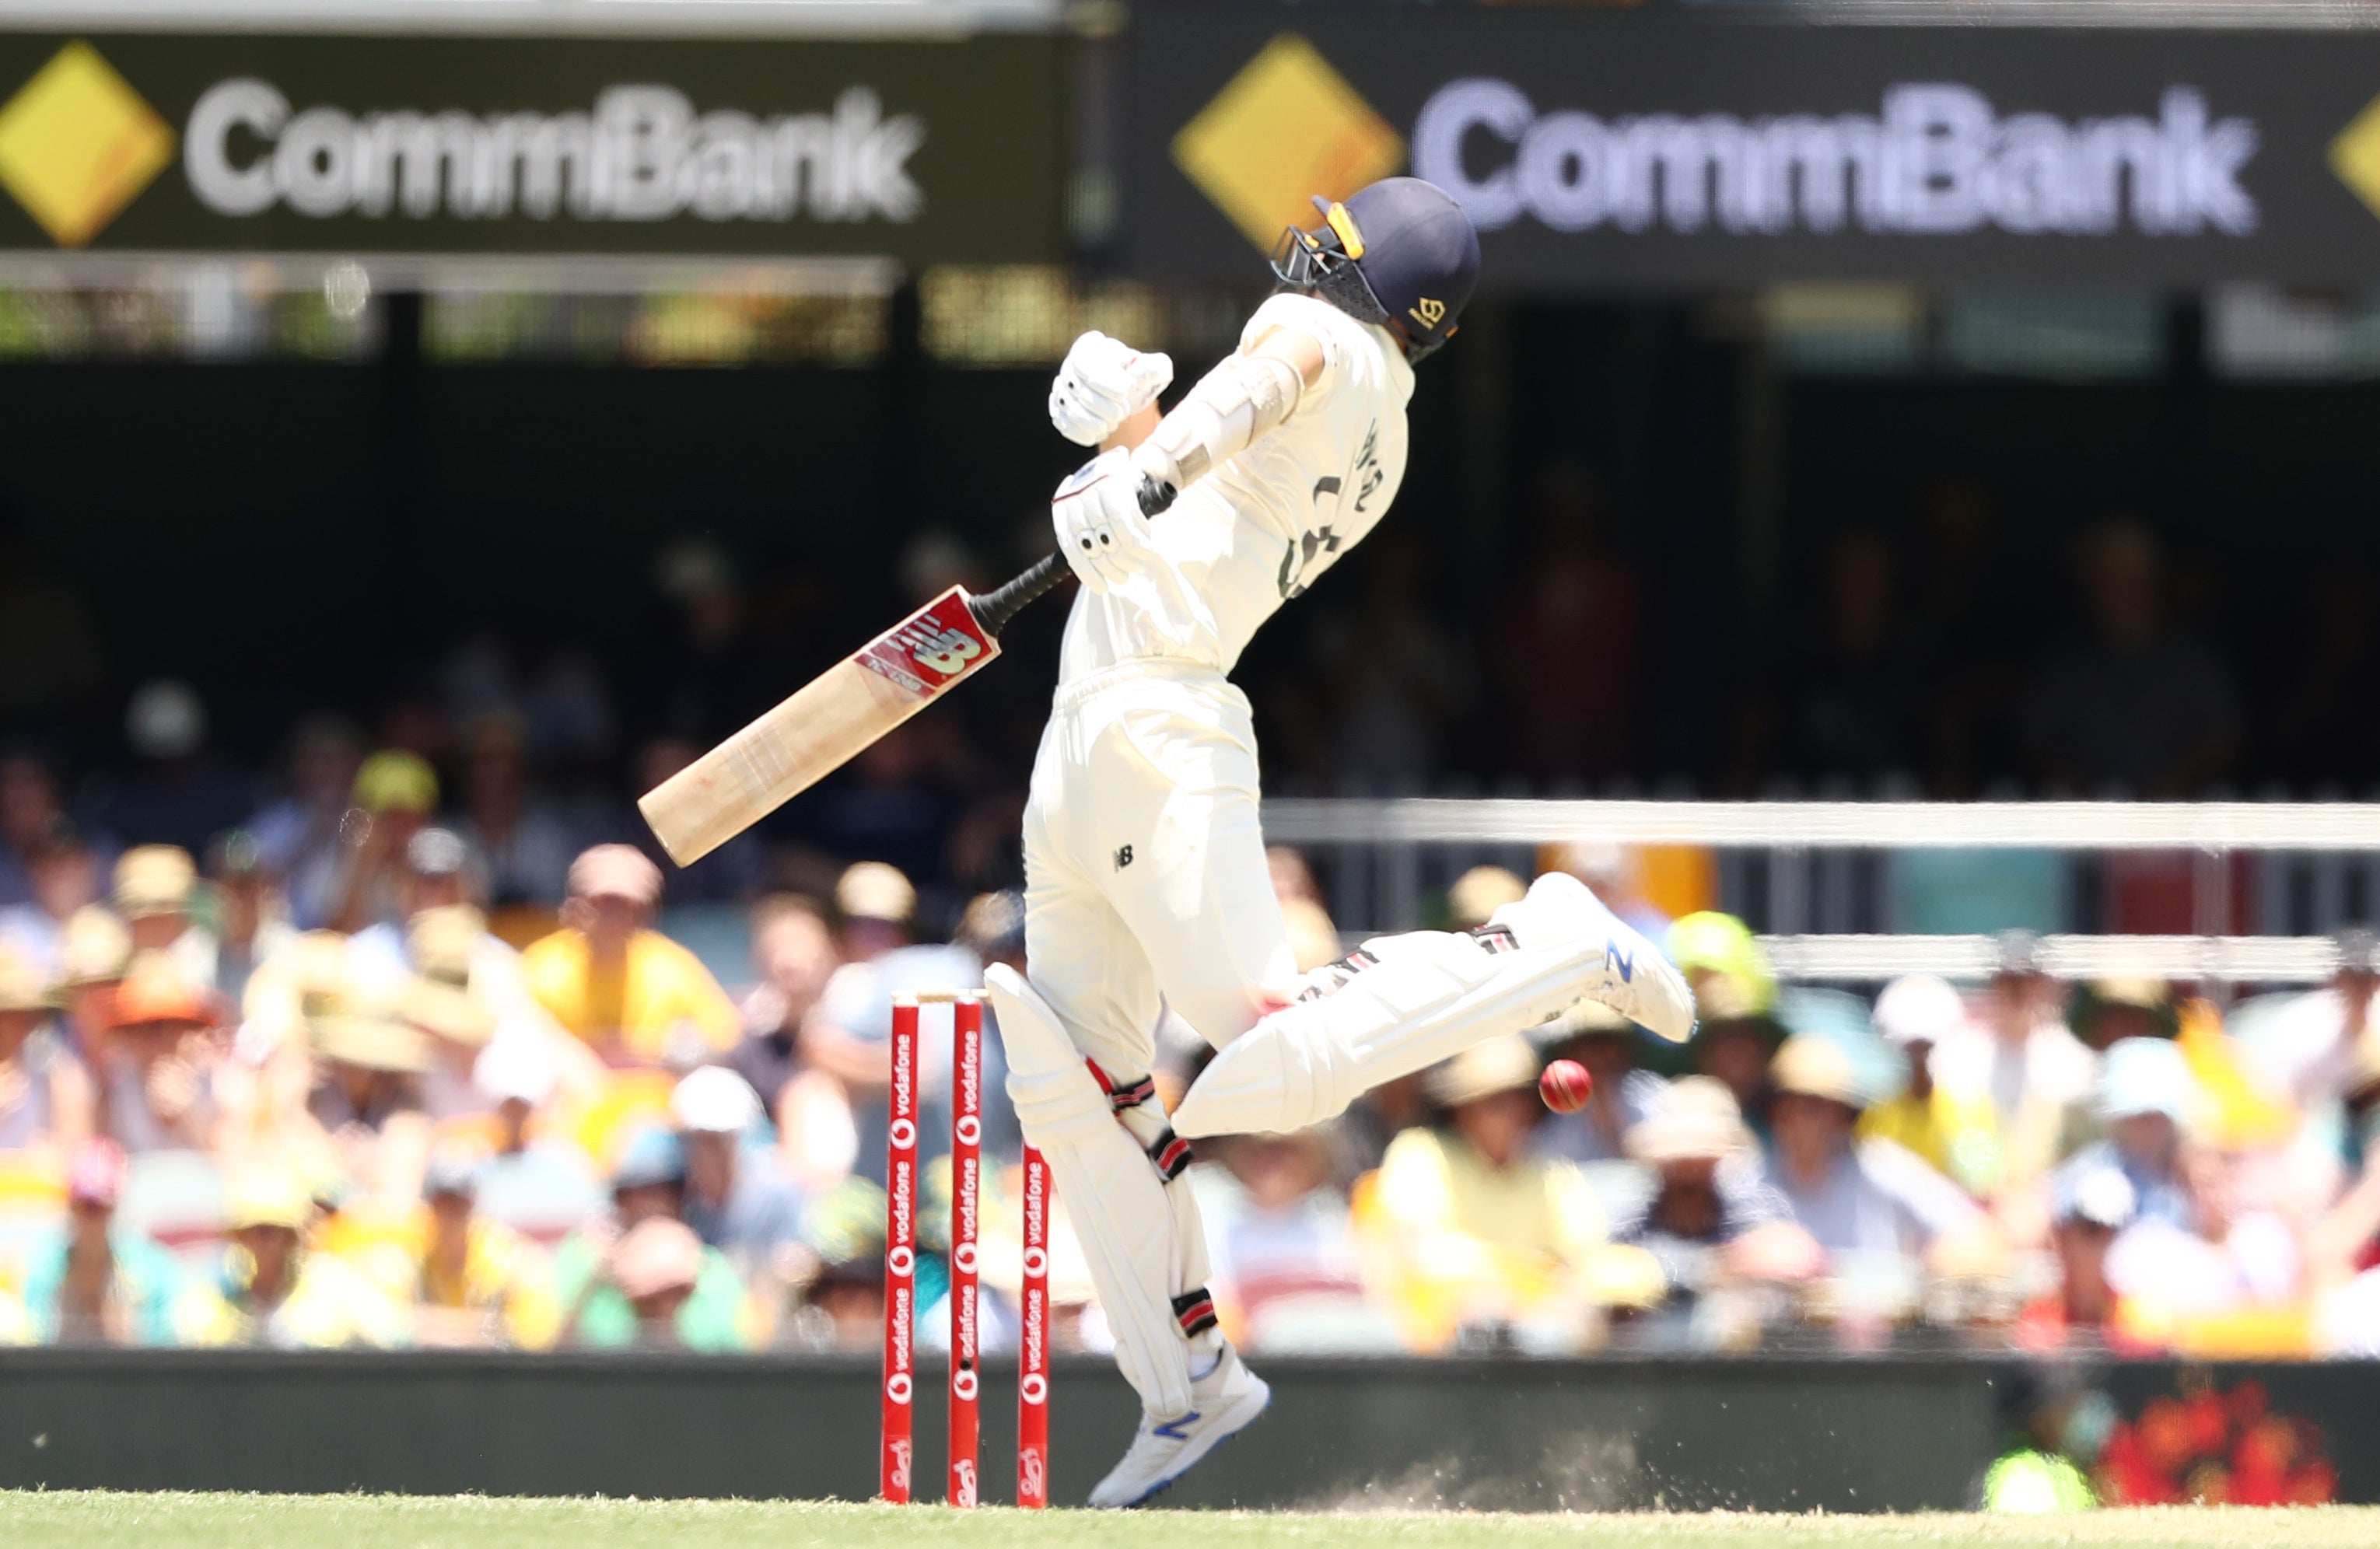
{"x":270,"y":1288}
{"x":155,"y":1066}
{"x":1735,"y":998}
{"x":370,"y":1064}
{"x":252,"y":919}
{"x":1950,"y":1132}
{"x":365,"y":1094}
{"x":2109,"y":1011}
{"x":738,"y":1198}
{"x":1874,"y":1198}
{"x":2146,"y":1096}
{"x":46,"y":1099}
{"x":476,"y":1281}
{"x":99,"y":1282}
{"x":648,"y":1186}
{"x":1710,"y":1208}
{"x":1284,"y":1265}
{"x":849,"y":1035}
{"x":656,"y":1268}
{"x":436,"y":870}
{"x":394,"y":796}
{"x":443,"y":934}
{"x":93,"y":952}
{"x":441,"y":1002}
{"x":842,"y":1305}
{"x":628,"y":992}
{"x":876,"y":907}
{"x":2088,"y":1207}
{"x":1607,"y":1044}
{"x":1479,"y":1224}
{"x":1478,"y":893}
{"x":539,"y":1185}
{"x":62,"y":873}
{"x":155,"y":887}
{"x":2022,"y":1064}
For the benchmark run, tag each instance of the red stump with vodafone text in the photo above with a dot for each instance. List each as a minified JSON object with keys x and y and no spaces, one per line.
{"x":1033,"y":1352}
{"x":900,"y":1259}
{"x":966,"y":1183}
{"x":897,"y":1452}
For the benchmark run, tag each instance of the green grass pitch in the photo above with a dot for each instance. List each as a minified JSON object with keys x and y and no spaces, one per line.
{"x":88,"y":1520}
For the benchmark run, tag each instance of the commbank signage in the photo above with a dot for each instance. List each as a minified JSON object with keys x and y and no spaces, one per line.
{"x":928,"y":149}
{"x":1595,"y":150}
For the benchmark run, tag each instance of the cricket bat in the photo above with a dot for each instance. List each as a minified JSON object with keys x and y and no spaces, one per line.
{"x":829,"y":719}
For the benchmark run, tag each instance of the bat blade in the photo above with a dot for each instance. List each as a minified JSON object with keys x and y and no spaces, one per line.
{"x":824,"y":724}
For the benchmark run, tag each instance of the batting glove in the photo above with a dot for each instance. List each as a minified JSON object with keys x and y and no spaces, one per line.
{"x":1103,"y":382}
{"x":1098,"y":519}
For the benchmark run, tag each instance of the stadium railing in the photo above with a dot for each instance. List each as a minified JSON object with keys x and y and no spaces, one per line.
{"x":1794,"y":869}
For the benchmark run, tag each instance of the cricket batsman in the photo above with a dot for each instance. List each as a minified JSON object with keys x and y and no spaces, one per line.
{"x":1145,"y":881}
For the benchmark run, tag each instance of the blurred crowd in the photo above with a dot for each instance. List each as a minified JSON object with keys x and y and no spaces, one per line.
{"x":410,"y":1120}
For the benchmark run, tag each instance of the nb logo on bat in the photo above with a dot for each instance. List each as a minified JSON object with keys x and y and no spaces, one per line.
{"x":945,"y":651}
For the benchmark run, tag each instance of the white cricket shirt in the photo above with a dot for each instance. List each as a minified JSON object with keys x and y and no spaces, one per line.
{"x":1257,"y":530}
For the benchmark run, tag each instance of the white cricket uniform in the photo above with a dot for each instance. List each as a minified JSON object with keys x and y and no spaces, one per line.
{"x":1144,"y":862}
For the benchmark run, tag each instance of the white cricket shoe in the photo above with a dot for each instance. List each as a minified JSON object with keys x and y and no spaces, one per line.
{"x":1223,"y":1403}
{"x":1635,"y":978}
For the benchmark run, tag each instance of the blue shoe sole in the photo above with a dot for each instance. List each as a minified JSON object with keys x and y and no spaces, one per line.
{"x":1166,"y":1484}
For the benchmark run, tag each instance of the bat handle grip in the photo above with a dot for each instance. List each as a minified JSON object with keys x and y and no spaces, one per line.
{"x":995,"y":608}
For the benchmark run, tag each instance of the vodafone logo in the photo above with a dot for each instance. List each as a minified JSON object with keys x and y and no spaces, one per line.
{"x":903,"y":1133}
{"x":898,"y":1387}
{"x":962,"y":1257}
{"x":1034,"y":1388}
{"x":901,"y":1260}
{"x":968,"y":1131}
{"x":1036,"y":1262}
{"x":962,"y":1385}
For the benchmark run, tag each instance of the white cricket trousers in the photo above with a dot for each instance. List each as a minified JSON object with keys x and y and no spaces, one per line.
{"x":1145,"y":874}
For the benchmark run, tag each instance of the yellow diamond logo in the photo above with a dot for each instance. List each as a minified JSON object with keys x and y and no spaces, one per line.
{"x":1287,"y":125}
{"x":2355,"y":156}
{"x":78,"y":144}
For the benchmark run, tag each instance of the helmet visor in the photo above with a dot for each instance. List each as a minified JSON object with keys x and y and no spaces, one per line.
{"x":1300,"y":258}
{"x":1314,"y":261}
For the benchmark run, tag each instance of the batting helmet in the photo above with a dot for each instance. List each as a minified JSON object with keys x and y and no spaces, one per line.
{"x":1401,"y":251}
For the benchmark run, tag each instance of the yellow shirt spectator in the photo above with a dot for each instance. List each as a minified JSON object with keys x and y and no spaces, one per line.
{"x":638,"y":1000}
{"x":1473,"y":1222}
{"x":636,"y":995}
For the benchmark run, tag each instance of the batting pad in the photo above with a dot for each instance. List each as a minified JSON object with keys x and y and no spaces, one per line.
{"x":1120,"y":1209}
{"x":1429,"y":997}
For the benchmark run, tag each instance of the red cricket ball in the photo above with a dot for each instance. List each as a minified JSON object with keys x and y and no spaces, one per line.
{"x":1565,"y":1086}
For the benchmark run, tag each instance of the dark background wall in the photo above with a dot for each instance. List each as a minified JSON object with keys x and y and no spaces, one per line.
{"x":290,"y":535}
{"x":1746,"y":1434}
